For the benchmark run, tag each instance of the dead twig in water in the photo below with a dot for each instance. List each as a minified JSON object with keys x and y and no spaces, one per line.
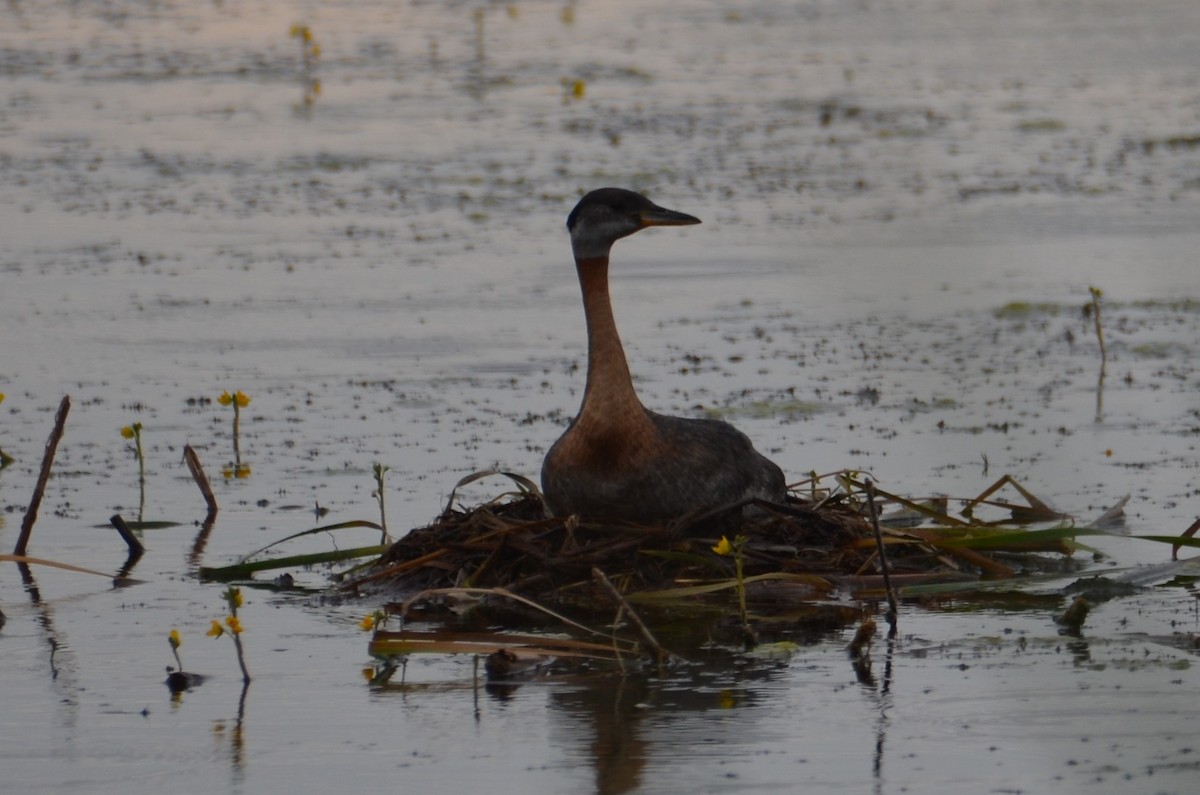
{"x":136,"y":548}
{"x":193,"y":464}
{"x":893,"y":610}
{"x":660,"y":653}
{"x":1095,"y":311}
{"x":1096,"y":293}
{"x":60,"y":420}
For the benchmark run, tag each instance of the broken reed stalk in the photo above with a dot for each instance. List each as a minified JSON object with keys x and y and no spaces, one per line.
{"x":136,"y":547}
{"x":659,"y":652}
{"x":893,"y":609}
{"x":1096,"y":293}
{"x":193,"y":464}
{"x":60,"y":421}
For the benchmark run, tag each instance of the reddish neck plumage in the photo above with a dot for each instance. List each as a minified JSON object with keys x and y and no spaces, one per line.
{"x":609,"y":391}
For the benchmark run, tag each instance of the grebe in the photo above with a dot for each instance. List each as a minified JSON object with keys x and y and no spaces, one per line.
{"x":618,"y":460}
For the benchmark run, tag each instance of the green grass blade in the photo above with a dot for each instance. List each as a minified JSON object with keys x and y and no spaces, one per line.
{"x":323,"y":529}
{"x":246,"y":569}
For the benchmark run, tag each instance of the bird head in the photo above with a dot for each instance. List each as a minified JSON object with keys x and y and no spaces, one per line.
{"x":604,"y":216}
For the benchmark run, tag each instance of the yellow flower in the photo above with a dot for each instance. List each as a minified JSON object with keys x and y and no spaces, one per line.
{"x":578,"y":88}
{"x":127,"y":432}
{"x":723,"y":547}
{"x":241,"y":398}
{"x":215,"y":630}
{"x":234,"y":596}
{"x":225,"y":399}
{"x":235,"y":626}
{"x":1,"y":397}
{"x":367,"y":624}
{"x":174,"y":640}
{"x":240,"y":471}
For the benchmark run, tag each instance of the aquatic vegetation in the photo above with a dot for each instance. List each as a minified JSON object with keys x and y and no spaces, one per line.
{"x":175,"y":641}
{"x":238,"y":400}
{"x":573,"y":88}
{"x":1095,"y":312}
{"x":371,"y":621}
{"x":378,"y":471}
{"x":247,"y":566}
{"x":736,"y":549}
{"x":179,"y":680}
{"x":233,"y":627}
{"x":310,"y":52}
{"x":134,"y":433}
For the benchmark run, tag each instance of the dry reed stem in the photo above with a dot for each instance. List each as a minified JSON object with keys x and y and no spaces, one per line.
{"x":136,"y":548}
{"x":60,"y":421}
{"x":193,"y":464}
{"x":661,"y":654}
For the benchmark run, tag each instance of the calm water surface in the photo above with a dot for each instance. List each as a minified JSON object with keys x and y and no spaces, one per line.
{"x":901,"y":200}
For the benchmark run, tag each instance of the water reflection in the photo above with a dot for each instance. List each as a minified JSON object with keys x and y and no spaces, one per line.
{"x":622,"y":723}
{"x":231,"y":744}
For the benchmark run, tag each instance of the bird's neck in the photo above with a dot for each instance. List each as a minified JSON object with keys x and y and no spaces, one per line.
{"x":609,"y":395}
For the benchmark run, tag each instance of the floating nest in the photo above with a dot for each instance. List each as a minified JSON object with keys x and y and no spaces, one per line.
{"x":814,"y":545}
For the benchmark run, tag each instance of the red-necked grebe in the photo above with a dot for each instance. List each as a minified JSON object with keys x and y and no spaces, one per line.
{"x":617,"y":460}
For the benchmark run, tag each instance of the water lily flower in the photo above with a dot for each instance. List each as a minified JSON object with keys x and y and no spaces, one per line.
{"x":723,"y":547}
{"x":215,"y":630}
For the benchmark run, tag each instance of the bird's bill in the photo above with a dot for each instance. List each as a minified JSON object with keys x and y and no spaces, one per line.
{"x":661,"y":216}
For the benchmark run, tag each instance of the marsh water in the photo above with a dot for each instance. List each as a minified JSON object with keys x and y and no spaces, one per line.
{"x":905,"y":205}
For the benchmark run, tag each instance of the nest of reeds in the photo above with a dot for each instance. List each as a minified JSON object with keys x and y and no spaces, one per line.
{"x":511,"y":543}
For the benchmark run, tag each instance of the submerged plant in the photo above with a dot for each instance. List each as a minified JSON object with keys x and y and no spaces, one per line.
{"x":232,"y":627}
{"x":134,"y":432}
{"x":175,"y":641}
{"x":239,"y":400}
{"x":373,"y":621}
{"x":310,"y":51}
{"x":378,"y":471}
{"x":735,"y":548}
{"x":179,"y":680}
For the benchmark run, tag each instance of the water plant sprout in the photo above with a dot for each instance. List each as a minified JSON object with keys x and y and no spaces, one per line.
{"x":232,"y":627}
{"x":175,"y":641}
{"x":239,"y":400}
{"x":736,"y":548}
{"x":134,"y":433}
{"x":378,"y":471}
{"x":310,"y":51}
